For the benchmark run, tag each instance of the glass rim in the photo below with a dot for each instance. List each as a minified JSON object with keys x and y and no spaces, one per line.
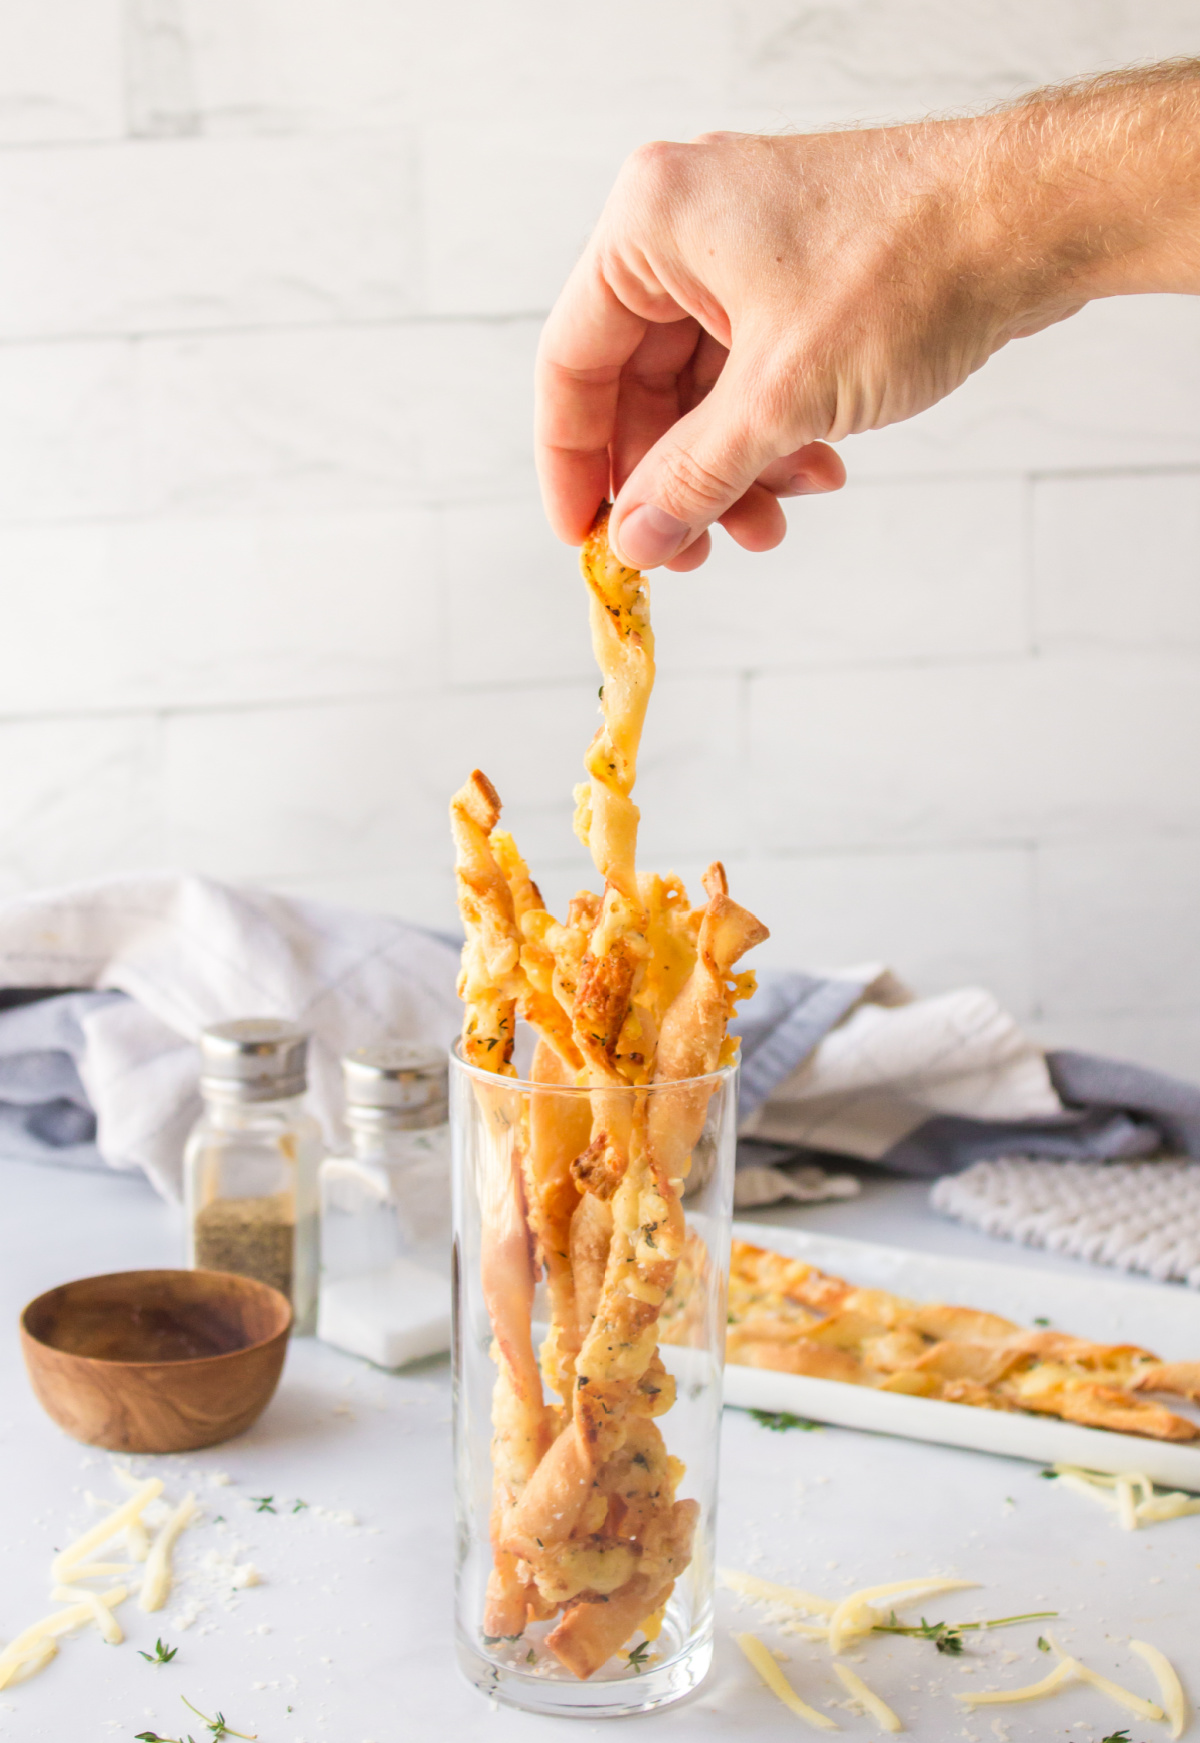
{"x":723,"y":1074}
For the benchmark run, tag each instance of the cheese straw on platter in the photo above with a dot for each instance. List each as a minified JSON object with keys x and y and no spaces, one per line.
{"x":629,"y":997}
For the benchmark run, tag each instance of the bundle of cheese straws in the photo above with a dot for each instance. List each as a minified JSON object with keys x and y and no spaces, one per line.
{"x":630,"y":999}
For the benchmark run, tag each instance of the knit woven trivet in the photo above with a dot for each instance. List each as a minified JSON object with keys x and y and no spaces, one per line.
{"x":1139,"y":1216}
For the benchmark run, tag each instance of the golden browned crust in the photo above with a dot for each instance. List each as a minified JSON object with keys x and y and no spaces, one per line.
{"x":787,"y":1315}
{"x":636,"y":988}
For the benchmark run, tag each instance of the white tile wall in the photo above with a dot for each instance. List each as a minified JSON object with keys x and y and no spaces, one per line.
{"x":61,"y":71}
{"x":185,"y":234}
{"x":273,"y":571}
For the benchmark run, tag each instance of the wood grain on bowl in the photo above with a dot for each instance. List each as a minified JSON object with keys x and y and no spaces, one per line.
{"x":156,"y":1361}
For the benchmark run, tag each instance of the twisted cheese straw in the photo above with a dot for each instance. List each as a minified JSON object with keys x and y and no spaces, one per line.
{"x":606,"y":818}
{"x":492,"y":951}
{"x":622,"y":1254}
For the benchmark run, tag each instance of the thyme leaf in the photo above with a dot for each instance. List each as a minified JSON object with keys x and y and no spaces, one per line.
{"x":639,"y":1657}
{"x":263,"y":1503}
{"x":162,"y":1654}
{"x":779,"y":1420}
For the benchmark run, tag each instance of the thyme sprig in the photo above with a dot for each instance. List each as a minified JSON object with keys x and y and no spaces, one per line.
{"x":216,"y":1727}
{"x":779,"y":1420}
{"x":639,"y":1657}
{"x":162,"y":1654}
{"x":263,"y":1503}
{"x":947,"y":1636}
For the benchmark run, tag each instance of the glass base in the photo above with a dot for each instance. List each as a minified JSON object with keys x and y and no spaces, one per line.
{"x":607,"y":1695}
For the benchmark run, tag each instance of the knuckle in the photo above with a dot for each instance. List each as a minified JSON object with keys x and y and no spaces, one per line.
{"x":698,"y":484}
{"x":655,"y":171}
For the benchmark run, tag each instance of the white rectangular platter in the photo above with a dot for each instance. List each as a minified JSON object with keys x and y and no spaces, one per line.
{"x":1165,"y":1319}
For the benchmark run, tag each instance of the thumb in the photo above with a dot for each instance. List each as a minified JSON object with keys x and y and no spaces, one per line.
{"x":695,"y":472}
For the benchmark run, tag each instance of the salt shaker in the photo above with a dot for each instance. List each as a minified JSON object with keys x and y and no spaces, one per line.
{"x":385,"y":1210}
{"x":250,"y":1166}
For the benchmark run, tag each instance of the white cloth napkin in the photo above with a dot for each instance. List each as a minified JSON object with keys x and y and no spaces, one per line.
{"x":188,"y":952}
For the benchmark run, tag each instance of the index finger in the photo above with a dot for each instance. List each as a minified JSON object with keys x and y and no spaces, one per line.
{"x":589,"y":337}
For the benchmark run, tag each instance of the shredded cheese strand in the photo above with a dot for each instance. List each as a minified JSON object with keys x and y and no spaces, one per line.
{"x":156,"y":1584}
{"x":1083,"y":1485}
{"x":1173,"y":1505}
{"x":1099,"y":1479}
{"x":1034,"y":1691}
{"x":119,"y":1519}
{"x":1126,"y":1505}
{"x":767,"y":1592}
{"x":760,"y":1657}
{"x":1116,"y":1493}
{"x":102,"y":1615}
{"x":1169,"y":1685}
{"x":870,"y":1702}
{"x":1122,"y":1696}
{"x":29,"y":1644}
{"x":23,"y":1669}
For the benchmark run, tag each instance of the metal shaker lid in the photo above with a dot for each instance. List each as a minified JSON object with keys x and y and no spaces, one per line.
{"x":253,"y":1059}
{"x":406,"y":1080}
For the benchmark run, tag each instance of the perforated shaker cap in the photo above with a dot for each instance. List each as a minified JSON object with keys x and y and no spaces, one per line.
{"x":253,"y":1059}
{"x":400,"y":1083}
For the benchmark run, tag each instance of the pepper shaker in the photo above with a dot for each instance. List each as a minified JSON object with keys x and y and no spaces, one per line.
{"x":250,"y":1165}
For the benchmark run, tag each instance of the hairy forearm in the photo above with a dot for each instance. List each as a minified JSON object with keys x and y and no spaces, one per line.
{"x":1096,"y":187}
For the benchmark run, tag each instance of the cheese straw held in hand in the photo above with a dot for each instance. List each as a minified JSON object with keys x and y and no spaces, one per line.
{"x":580,"y":1173}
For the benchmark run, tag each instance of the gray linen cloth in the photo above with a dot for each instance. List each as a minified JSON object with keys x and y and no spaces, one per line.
{"x":105,"y":987}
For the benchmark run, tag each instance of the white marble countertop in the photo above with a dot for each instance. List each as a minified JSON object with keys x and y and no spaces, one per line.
{"x":348,"y":1638}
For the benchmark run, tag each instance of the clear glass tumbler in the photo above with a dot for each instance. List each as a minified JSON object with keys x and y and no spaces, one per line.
{"x":590,"y":1273}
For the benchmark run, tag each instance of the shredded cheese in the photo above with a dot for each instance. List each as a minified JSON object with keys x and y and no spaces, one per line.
{"x":156,"y":1584}
{"x":760,"y":1657}
{"x":37,"y":1658}
{"x":1083,"y":1485}
{"x":30,"y":1644}
{"x":1169,"y":1685}
{"x":63,"y":1565}
{"x":102,"y":1615}
{"x":750,"y":1586}
{"x":1124,"y":1697}
{"x":1126,"y":1505}
{"x":853,"y":1615}
{"x":1034,"y":1691}
{"x":1172,"y":1505}
{"x":868,"y":1700}
{"x":1117,"y":1494}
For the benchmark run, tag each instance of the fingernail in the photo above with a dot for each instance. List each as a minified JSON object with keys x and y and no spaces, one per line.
{"x":649,"y":536}
{"x":803,"y":485}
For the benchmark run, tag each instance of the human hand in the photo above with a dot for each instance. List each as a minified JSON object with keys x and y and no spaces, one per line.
{"x":746,"y":300}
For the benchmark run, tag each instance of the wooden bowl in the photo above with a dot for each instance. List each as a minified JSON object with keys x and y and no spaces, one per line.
{"x":156,"y":1361}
